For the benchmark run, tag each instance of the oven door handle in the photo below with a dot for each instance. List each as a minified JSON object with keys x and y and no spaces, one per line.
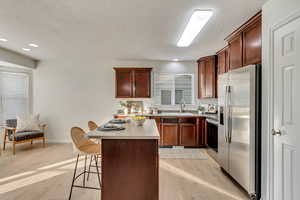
{"x":211,"y":121}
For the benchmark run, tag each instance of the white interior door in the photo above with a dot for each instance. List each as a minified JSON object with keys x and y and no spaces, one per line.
{"x":287,"y":111}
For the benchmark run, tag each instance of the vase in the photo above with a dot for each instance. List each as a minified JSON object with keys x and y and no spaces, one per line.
{"x":125,"y":111}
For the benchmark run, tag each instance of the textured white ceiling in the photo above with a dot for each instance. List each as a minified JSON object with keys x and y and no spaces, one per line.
{"x":120,"y":29}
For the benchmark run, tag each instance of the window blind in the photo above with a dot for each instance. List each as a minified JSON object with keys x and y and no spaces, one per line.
{"x":14,"y":95}
{"x":172,"y":89}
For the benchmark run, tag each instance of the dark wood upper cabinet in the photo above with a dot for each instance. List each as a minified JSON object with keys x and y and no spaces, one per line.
{"x":223,"y":61}
{"x":133,"y":82}
{"x":207,"y":77}
{"x":236,"y":52}
{"x":201,"y":79}
{"x":142,"y":83}
{"x":188,"y":135}
{"x":124,"y":86}
{"x":244,"y":44}
{"x":252,"y":43}
{"x":210,"y":77}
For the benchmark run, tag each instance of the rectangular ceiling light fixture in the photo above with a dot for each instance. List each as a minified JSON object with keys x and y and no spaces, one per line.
{"x":196,"y":23}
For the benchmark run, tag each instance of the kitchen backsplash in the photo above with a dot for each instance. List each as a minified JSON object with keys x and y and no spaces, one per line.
{"x":150,"y":103}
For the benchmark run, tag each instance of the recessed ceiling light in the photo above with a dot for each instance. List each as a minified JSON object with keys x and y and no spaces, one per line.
{"x":26,"y":49}
{"x":3,"y":40}
{"x":194,"y":26}
{"x":176,"y":60}
{"x":33,"y":45}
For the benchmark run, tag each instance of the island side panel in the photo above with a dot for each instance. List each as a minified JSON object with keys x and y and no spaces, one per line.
{"x":130,"y":169}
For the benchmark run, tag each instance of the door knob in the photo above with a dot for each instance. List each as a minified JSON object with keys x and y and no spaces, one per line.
{"x":276,"y":132}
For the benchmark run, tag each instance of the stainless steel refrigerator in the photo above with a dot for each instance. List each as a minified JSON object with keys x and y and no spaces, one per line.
{"x":239,"y":126}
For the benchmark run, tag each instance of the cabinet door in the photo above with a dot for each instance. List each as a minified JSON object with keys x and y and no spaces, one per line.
{"x":201,"y":132}
{"x":223,"y":61}
{"x":142,"y":83}
{"x":236,"y":52}
{"x":158,"y":124}
{"x":169,"y":134}
{"x":188,"y":135}
{"x":124,"y":83}
{"x":210,"y":78}
{"x":201,"y":79}
{"x":252,"y":44}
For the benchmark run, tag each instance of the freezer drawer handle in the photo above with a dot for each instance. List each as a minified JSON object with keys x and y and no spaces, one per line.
{"x":276,"y":132}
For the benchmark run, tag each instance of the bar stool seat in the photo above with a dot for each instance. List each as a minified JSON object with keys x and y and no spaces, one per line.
{"x":91,"y":149}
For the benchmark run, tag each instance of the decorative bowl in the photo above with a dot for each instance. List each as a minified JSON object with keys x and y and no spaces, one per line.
{"x":139,"y":120}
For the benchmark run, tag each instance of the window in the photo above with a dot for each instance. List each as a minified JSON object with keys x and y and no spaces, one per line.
{"x":14,"y":95}
{"x":173,"y":89}
{"x":183,"y":89}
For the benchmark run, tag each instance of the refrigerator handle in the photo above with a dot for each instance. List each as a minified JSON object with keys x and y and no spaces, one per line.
{"x":226,"y":115}
{"x":229,"y":124}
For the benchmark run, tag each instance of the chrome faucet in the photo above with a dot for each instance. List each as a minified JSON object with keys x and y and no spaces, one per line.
{"x":182,"y":106}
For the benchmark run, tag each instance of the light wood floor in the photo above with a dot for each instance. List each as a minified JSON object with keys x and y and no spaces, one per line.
{"x":37,"y":173}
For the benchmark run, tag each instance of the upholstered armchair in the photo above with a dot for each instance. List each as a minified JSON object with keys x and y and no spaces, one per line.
{"x":11,"y":135}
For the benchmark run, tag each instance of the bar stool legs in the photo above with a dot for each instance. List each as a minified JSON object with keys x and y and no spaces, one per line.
{"x":97,"y":168}
{"x":70,"y":195}
{"x":88,"y":176}
{"x":90,"y":165}
{"x":83,"y":183}
{"x":95,"y":157}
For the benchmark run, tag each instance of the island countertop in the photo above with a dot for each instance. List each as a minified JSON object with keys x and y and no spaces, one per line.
{"x":132,"y":131}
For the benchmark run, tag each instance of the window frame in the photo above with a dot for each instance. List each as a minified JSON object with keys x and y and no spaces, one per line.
{"x":29,"y":76}
{"x":173,"y":90}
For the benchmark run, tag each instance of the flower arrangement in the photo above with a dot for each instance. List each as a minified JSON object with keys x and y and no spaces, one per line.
{"x":125,"y":106}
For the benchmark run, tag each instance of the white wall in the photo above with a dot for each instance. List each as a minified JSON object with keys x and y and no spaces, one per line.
{"x":70,"y":92}
{"x":273,"y":12}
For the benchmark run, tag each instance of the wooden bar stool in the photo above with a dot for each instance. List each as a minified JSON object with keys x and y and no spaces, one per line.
{"x":92,"y":125}
{"x":88,"y":148}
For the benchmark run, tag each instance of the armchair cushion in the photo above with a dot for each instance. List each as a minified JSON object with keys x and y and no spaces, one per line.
{"x":25,"y":135}
{"x":28,"y":123}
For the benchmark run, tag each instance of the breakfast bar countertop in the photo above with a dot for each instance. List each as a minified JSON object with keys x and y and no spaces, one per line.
{"x":132,"y":131}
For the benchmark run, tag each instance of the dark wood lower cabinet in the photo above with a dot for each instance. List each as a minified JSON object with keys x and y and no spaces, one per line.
{"x":169,"y":134}
{"x":188,"y":135}
{"x":201,"y":130}
{"x":158,"y":124}
{"x":186,"y":131}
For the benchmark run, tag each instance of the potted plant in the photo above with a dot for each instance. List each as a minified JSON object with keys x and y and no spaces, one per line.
{"x":200,"y":110}
{"x":125,"y":106}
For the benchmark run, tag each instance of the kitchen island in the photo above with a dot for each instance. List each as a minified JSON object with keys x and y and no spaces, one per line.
{"x":129,"y":162}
